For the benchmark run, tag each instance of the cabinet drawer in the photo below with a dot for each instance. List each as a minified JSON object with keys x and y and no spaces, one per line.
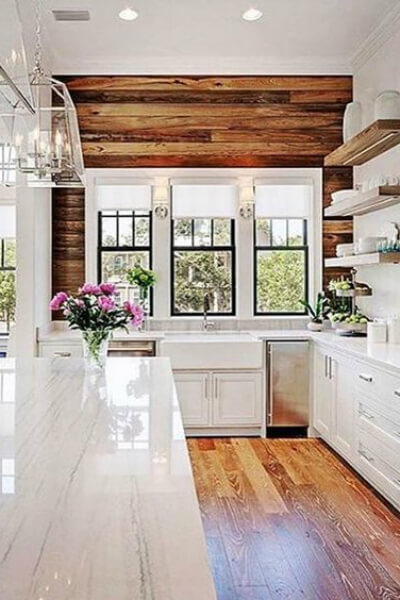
{"x":53,"y":351}
{"x":380,"y":465}
{"x":379,"y":385}
{"x":376,"y":419}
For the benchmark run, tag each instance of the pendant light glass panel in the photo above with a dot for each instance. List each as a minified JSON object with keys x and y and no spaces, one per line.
{"x":47,"y":144}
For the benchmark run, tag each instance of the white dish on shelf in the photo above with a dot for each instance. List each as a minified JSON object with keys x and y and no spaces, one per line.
{"x":344,"y":250}
{"x":343,"y":195}
{"x":367,"y":245}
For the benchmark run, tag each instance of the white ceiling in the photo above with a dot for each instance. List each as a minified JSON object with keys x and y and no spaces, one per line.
{"x":209,"y":35}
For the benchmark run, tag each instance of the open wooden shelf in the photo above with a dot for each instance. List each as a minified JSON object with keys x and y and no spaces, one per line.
{"x":365,"y":202}
{"x":374,"y":258}
{"x":375,"y":139}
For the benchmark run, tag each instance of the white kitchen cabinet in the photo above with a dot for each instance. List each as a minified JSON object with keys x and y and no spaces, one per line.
{"x":193,"y":390}
{"x":357,"y":412}
{"x":237,"y":399}
{"x":220,"y":403}
{"x":323,"y":392}
{"x":334,"y":400}
{"x":342,"y":424}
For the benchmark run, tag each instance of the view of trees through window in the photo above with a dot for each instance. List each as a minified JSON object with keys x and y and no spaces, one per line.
{"x":124,"y":242}
{"x":203,"y":262}
{"x":203,"y":265}
{"x":280,"y":265}
{"x":7,"y":283}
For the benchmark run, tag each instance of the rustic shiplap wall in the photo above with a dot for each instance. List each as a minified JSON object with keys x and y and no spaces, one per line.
{"x":191,"y":121}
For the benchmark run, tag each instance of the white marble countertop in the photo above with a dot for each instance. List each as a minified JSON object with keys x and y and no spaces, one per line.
{"x":97,"y":498}
{"x":385,"y":355}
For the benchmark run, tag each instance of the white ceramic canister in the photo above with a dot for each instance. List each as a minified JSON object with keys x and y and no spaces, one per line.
{"x":387,"y":105}
{"x":377,"y":332}
{"x":352,"y":122}
{"x":394,"y":330}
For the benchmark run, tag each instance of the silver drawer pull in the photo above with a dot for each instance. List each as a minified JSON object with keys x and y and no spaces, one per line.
{"x":366,"y":456}
{"x":364,"y":413}
{"x":367,"y":378}
{"x":62,"y":354}
{"x":397,"y":393}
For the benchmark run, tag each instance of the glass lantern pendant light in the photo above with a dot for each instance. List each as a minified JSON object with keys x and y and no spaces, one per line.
{"x":47,"y":144}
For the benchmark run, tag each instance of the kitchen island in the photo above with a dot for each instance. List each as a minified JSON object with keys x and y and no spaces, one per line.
{"x":97,"y":496}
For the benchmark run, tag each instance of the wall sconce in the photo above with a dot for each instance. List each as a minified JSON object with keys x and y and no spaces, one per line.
{"x":161,"y":201}
{"x":246,"y":201}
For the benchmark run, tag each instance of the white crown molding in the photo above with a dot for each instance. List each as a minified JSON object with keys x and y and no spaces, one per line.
{"x":387,"y":27}
{"x":202,"y":65}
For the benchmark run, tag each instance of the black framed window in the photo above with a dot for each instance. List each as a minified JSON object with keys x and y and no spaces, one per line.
{"x":280,"y":266}
{"x":203,"y":264}
{"x":8,"y":264}
{"x":124,"y":242}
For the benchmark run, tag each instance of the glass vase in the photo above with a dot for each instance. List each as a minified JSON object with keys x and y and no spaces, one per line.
{"x":144,"y":303}
{"x":95,"y":348}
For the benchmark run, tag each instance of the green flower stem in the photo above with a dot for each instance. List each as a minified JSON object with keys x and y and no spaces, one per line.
{"x":94,"y":341}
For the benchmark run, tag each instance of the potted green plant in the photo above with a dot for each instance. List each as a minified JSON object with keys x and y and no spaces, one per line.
{"x":317,"y":312}
{"x":144,"y":279}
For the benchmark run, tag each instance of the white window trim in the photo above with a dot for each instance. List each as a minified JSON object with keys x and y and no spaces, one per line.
{"x":244,"y":231}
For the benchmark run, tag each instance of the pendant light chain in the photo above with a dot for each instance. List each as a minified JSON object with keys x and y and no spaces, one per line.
{"x":48,"y":149}
{"x":38,"y":40}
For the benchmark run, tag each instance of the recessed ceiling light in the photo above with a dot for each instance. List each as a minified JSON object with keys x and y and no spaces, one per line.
{"x":252,"y":14}
{"x":128,"y":14}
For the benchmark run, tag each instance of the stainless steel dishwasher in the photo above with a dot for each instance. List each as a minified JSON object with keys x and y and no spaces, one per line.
{"x":287,"y":384}
{"x":131,"y":348}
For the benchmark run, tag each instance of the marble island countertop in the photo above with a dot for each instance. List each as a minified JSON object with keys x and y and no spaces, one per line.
{"x":97,"y":498}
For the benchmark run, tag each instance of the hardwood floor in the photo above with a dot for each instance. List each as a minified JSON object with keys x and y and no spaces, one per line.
{"x":286,"y":519}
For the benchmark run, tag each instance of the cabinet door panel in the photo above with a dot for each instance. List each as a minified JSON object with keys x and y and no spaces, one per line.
{"x":193,"y":393}
{"x":322,"y":393}
{"x":237,"y":399}
{"x":343,"y":408}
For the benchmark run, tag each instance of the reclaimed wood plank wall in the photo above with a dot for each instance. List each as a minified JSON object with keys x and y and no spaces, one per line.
{"x":191,"y":121}
{"x":68,"y":247}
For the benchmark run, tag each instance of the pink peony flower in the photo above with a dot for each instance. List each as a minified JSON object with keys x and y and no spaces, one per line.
{"x":136,"y":312}
{"x":79,"y":303}
{"x":58,"y":300}
{"x":91,"y":289}
{"x":106,"y":303}
{"x":108,"y":289}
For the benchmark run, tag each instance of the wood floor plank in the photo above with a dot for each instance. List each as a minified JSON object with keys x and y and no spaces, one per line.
{"x":288,"y":454}
{"x":253,"y":593}
{"x":281,"y":579}
{"x":220,"y":569}
{"x":335,"y":540}
{"x":264,"y":489}
{"x":252,"y":515}
{"x":207,"y":500}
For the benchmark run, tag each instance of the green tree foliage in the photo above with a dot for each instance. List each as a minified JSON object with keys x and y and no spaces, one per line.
{"x":7,"y":297}
{"x":280,"y":281}
{"x":200,"y":273}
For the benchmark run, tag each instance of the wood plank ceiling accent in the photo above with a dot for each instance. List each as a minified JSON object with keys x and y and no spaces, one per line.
{"x":201,"y":121}
{"x":209,"y":121}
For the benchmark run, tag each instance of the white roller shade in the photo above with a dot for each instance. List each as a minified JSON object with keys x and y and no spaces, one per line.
{"x":7,"y":222}
{"x":283,"y":201}
{"x":203,"y":201}
{"x":123,"y":197}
